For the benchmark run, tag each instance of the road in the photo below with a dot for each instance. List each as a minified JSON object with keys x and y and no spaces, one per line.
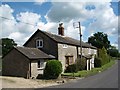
{"x":106,"y":79}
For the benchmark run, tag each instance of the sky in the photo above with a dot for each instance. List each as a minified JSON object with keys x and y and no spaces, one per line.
{"x":19,"y":20}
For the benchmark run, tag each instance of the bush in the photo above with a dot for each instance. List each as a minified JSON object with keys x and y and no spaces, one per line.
{"x":81,"y":64}
{"x":104,"y":56}
{"x":71,"y":69}
{"x":113,"y":52}
{"x":98,"y":62}
{"x":53,"y":69}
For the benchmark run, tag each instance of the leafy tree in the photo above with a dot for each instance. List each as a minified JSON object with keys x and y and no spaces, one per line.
{"x":99,"y":40}
{"x":7,"y":44}
{"x":113,"y":52}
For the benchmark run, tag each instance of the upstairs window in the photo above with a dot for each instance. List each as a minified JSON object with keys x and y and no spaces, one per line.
{"x":65,"y":46}
{"x":39,"y":43}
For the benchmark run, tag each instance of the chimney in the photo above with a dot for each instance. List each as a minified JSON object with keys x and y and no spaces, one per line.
{"x":61,"y":29}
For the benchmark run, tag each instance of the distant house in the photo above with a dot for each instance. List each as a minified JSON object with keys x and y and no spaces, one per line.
{"x":42,"y":46}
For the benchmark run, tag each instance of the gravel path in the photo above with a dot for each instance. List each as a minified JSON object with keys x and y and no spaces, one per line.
{"x":15,"y":82}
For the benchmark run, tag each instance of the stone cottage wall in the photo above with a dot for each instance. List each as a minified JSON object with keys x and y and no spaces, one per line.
{"x":66,"y":50}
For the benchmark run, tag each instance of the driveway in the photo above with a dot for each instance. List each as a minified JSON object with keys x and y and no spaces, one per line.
{"x":106,"y":79}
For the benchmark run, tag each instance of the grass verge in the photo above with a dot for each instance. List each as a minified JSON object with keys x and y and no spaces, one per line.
{"x":94,"y":71}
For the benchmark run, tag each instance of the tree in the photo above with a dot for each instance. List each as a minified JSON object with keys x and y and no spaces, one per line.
{"x":7,"y":44}
{"x":113,"y":52}
{"x":99,"y":40}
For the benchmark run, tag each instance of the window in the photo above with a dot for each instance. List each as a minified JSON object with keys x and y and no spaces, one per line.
{"x":65,"y":45}
{"x":69,"y":60}
{"x":39,"y":43}
{"x":41,"y":64}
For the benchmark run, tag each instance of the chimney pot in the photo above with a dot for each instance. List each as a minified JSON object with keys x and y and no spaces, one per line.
{"x":61,"y":29}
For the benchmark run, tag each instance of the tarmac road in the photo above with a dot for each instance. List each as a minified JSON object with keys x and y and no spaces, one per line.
{"x":106,"y":79}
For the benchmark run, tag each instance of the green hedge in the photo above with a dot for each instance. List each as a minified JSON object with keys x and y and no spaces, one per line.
{"x":98,"y":62}
{"x":53,"y":69}
{"x":104,"y":56}
{"x":81,"y":64}
{"x":71,"y":69}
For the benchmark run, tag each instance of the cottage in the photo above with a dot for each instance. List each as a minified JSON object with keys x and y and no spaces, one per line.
{"x":45,"y":46}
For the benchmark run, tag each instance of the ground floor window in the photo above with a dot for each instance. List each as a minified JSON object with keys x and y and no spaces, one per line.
{"x":69,"y":60}
{"x":41,"y":64}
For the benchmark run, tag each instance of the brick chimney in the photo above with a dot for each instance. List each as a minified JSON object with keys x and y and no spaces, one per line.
{"x":61,"y":29}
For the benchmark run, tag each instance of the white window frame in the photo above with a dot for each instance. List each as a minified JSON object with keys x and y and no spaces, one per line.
{"x":42,"y":64}
{"x":65,"y":46}
{"x":39,"y":45}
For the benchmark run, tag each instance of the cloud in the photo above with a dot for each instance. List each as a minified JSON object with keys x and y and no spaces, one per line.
{"x":27,"y":22}
{"x":101,"y":18}
{"x":40,"y":2}
{"x":7,"y":25}
{"x":19,"y":28}
{"x":62,"y":11}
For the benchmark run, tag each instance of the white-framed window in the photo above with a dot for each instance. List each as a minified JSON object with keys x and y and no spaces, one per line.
{"x":39,"y":43}
{"x":65,"y":46}
{"x":40,"y":64}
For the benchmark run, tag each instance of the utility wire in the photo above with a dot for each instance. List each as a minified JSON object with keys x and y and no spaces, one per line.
{"x":18,"y":21}
{"x":29,"y":23}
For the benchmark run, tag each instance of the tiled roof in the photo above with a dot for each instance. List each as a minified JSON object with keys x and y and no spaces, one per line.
{"x":67,"y":40}
{"x":33,"y":53}
{"x":62,"y":39}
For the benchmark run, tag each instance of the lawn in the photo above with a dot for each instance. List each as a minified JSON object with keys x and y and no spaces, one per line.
{"x":94,"y":71}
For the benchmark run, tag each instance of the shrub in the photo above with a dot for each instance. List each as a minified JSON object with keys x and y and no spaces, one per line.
{"x":98,"y":62}
{"x":104,"y":56}
{"x":53,"y":69}
{"x":81,"y":64}
{"x":71,"y":69}
{"x":113,"y":52}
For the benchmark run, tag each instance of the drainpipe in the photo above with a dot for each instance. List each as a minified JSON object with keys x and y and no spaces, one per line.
{"x":30,"y":68}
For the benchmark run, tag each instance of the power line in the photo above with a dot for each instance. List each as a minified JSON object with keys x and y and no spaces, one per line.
{"x":18,"y":21}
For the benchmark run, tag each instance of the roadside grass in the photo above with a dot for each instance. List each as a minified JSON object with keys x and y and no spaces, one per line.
{"x":85,"y":73}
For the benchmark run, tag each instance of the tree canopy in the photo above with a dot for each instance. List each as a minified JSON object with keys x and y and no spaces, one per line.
{"x":113,"y":51}
{"x":7,"y":44}
{"x":99,"y":40}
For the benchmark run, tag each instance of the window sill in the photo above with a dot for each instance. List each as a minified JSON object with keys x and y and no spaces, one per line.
{"x":40,"y":68}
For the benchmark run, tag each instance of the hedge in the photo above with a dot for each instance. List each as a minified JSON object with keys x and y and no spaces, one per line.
{"x":53,"y":69}
{"x":98,"y":62}
{"x":71,"y":69}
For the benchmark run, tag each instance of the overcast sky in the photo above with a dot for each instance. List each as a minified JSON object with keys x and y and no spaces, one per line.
{"x":21,"y":19}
